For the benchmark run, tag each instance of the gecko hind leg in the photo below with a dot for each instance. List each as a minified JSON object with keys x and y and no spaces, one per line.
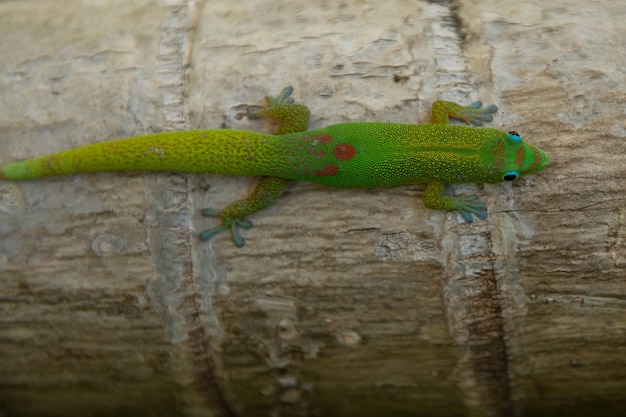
{"x":291,"y":117}
{"x":267,"y":190}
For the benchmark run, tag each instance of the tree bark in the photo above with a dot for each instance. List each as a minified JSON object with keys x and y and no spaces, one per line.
{"x":343,"y":302}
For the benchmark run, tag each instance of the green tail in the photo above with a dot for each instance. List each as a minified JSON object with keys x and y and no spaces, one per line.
{"x":230,"y":152}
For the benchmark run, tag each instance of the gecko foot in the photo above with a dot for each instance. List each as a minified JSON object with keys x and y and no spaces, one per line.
{"x":272,"y":103}
{"x":291,"y":117}
{"x":468,"y":205}
{"x":232,"y":224}
{"x":476,"y":115}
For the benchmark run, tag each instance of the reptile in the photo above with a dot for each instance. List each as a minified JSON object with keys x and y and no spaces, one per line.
{"x":357,"y":154}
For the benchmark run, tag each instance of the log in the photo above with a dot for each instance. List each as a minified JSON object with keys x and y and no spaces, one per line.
{"x":343,"y":302}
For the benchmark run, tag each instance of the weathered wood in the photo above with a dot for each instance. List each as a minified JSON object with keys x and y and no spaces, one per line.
{"x":343,"y":302}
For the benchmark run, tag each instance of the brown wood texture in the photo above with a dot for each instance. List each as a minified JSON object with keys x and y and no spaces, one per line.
{"x":343,"y":302}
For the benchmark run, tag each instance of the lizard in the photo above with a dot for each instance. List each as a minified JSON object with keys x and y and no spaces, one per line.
{"x":355,"y":154}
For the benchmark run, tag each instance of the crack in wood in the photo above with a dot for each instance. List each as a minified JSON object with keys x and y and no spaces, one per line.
{"x":488,"y":346}
{"x":178,"y":290}
{"x":472,"y":287}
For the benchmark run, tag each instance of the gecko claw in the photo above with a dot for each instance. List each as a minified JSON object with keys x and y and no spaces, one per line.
{"x":209,"y":233}
{"x":283,"y":98}
{"x":232,"y":224}
{"x":468,"y":205}
{"x":237,"y":238}
{"x":476,"y":115}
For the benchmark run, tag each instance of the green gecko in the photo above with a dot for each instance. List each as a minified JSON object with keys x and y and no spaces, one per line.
{"x":359,"y":154}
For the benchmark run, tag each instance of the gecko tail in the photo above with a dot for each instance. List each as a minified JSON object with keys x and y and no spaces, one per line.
{"x":203,"y":151}
{"x":28,"y":169}
{"x":21,"y":170}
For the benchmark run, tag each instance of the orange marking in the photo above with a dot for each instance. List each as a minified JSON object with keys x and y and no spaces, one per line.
{"x":329,"y":170}
{"x":520,"y":155}
{"x":536,"y":159}
{"x":344,"y":152}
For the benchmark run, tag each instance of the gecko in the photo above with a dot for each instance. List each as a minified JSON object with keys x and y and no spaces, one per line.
{"x":356,"y":154}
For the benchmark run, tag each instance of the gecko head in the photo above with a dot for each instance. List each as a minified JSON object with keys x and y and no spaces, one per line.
{"x":513,"y":158}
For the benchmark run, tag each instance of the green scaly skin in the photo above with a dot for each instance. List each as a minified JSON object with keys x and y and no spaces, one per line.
{"x":360,"y":154}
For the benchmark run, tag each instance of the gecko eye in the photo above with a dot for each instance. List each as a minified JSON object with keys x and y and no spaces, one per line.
{"x":513,"y":135}
{"x":510,"y":175}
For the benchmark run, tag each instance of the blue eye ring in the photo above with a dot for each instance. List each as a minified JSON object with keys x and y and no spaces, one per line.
{"x":510,"y":175}
{"x":513,"y":135}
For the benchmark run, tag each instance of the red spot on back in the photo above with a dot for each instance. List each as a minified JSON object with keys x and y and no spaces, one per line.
{"x":344,"y":152}
{"x":329,"y":170}
{"x":325,"y":138}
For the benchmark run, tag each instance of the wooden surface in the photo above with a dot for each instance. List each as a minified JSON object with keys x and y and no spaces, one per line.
{"x":343,"y":302}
